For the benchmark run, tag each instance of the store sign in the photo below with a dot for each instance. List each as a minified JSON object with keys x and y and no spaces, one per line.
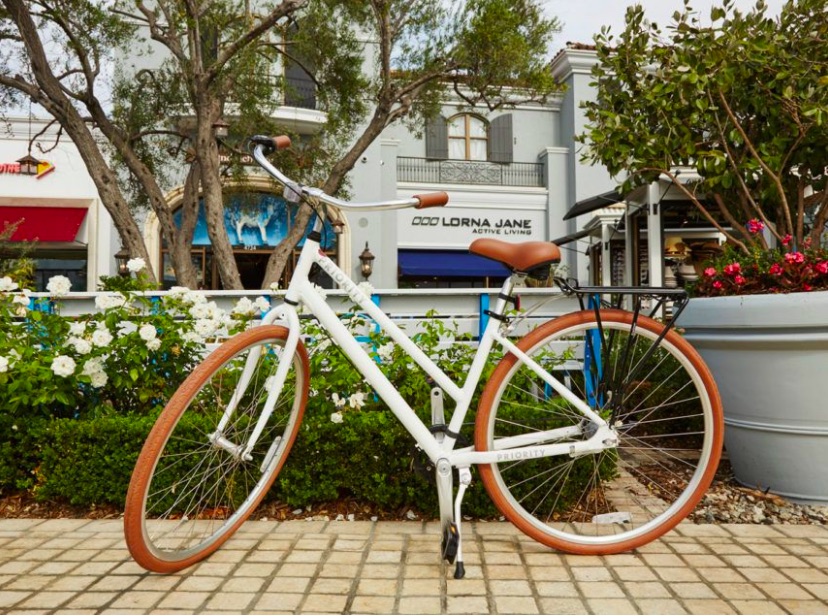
{"x":44,"y":168}
{"x":459,"y":229}
{"x":477,"y":226}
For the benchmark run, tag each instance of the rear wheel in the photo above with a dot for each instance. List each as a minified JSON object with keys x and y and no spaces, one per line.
{"x":656,"y":393}
{"x":193,"y":486}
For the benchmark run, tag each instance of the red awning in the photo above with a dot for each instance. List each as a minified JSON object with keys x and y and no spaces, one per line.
{"x":43,"y":224}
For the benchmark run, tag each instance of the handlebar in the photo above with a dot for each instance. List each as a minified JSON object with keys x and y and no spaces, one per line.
{"x":263,"y":145}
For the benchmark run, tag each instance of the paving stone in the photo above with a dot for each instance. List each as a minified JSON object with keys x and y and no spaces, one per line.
{"x":428,"y":604}
{"x":562,"y":606}
{"x":372,"y":605}
{"x":515,"y":605}
{"x":611,"y":606}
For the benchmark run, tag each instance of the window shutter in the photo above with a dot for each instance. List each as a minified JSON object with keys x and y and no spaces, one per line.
{"x":436,"y":138}
{"x":500,"y":139}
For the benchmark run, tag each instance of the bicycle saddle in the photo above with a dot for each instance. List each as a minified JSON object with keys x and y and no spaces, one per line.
{"x":520,"y":257}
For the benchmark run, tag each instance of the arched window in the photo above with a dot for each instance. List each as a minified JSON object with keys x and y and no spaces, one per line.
{"x":468,"y":137}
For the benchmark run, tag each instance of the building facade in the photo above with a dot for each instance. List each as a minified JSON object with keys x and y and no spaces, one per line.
{"x":50,"y":209}
{"x":511,"y":174}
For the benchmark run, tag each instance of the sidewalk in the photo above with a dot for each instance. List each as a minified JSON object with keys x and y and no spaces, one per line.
{"x":81,"y":566}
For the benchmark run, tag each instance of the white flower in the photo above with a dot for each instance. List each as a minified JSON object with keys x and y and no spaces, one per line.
{"x":98,"y":379}
{"x":206,"y":327}
{"x":58,"y":286}
{"x":199,"y":311}
{"x":178,"y":291}
{"x":21,"y":300}
{"x":125,"y":328}
{"x":244,"y":307}
{"x":262,"y":304}
{"x":357,"y":400}
{"x":114,"y":300}
{"x":63,"y":365}
{"x":366,"y":287}
{"x":338,"y":402}
{"x":101,"y":337}
{"x":274,"y":286}
{"x":7,"y":284}
{"x":77,"y":328}
{"x":322,"y":292}
{"x":386,"y":351}
{"x":81,"y":345}
{"x":195,"y":297}
{"x":154,"y":344}
{"x":136,"y":264}
{"x":92,"y":366}
{"x":336,"y":417}
{"x":192,"y":337}
{"x":147,"y":332}
{"x":4,"y":364}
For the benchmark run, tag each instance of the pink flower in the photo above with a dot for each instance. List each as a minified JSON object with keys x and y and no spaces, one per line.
{"x":717,"y":284}
{"x":787,"y":239}
{"x":806,"y":287}
{"x":755,"y":225}
{"x":775,"y":270}
{"x":732,"y":269}
{"x":822,"y":267}
{"x":710,"y":272}
{"x":739,"y":279}
{"x":794,"y":257}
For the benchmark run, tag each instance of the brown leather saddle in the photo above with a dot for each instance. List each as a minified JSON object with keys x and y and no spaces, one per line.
{"x":531,"y":258}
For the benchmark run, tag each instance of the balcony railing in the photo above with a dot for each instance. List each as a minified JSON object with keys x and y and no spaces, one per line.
{"x":427,"y":171}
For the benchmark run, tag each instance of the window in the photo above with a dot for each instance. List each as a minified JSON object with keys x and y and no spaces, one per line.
{"x":468,"y":138}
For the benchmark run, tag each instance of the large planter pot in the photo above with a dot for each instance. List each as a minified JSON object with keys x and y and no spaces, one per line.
{"x":769,"y":356}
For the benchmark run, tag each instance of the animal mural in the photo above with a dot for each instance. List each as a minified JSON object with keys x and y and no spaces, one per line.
{"x":252,"y":224}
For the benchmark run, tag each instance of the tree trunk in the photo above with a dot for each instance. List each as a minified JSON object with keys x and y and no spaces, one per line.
{"x":211,"y":193}
{"x":49,"y":93}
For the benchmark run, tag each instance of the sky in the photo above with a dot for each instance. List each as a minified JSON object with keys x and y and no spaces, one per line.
{"x":582,"y":19}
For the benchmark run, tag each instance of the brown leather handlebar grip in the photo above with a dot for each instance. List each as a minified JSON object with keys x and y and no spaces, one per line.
{"x":435,"y":199}
{"x":282,"y":142}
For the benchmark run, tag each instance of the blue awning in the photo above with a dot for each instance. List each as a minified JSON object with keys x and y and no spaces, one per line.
{"x":448,"y":263}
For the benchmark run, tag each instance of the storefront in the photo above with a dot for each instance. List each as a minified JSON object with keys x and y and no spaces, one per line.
{"x":433,"y":243}
{"x":255,"y":223}
{"x":49,"y":209}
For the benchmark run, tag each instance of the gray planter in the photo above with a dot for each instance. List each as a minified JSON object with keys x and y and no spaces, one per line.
{"x":769,"y":356}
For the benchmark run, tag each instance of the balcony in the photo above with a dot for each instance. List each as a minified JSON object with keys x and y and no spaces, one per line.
{"x":428,"y":171}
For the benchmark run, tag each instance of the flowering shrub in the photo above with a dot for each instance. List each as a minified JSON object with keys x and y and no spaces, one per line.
{"x":779,"y":270}
{"x":129,"y":356}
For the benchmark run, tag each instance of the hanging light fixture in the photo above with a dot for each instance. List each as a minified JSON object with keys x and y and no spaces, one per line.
{"x":366,"y":259}
{"x":28,"y":164}
{"x":122,"y":257}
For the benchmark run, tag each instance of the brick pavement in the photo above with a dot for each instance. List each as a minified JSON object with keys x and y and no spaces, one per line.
{"x":82,"y":567}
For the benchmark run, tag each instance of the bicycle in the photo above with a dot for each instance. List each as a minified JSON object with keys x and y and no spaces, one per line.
{"x":596,"y":433}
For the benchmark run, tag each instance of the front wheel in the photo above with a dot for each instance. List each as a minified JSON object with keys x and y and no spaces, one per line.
{"x":193,"y":484}
{"x":657,"y":395}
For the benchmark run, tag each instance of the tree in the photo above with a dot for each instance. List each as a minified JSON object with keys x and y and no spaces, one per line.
{"x":743,"y":100}
{"x":220,"y":60}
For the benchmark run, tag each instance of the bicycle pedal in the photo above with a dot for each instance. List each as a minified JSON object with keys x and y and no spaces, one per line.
{"x":451,"y":541}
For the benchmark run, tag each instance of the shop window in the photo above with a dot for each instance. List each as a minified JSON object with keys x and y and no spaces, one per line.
{"x":255,"y":224}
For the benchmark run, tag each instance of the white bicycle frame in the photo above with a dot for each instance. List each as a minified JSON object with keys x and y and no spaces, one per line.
{"x":301,"y":290}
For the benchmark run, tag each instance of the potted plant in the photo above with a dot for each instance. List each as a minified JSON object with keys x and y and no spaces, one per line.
{"x":741,"y":97}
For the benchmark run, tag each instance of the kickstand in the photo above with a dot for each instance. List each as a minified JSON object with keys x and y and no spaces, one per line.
{"x":465,"y":481}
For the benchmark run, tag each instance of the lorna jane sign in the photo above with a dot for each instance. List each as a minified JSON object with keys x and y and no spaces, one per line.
{"x":459,"y":228}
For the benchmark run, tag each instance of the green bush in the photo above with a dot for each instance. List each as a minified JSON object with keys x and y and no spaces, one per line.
{"x":79,"y":395}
